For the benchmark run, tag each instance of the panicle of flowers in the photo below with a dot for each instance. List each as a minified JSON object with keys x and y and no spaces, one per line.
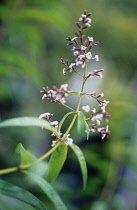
{"x":56,"y":94}
{"x":82,"y":45}
{"x":95,"y":117}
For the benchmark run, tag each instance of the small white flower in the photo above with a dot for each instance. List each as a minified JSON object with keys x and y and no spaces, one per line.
{"x":102,"y":95}
{"x":75,"y":53}
{"x":80,"y":19}
{"x":44,"y":96}
{"x":54,"y":123}
{"x":97,"y":117}
{"x":46,"y":115}
{"x":69,"y":141}
{"x":84,"y":16}
{"x":87,"y":25}
{"x":93,"y":110}
{"x":107,"y":128}
{"x":72,"y":65}
{"x":89,"y":55}
{"x":62,"y":101}
{"x":64,"y":86}
{"x":81,"y":56}
{"x":104,"y":103}
{"x":73,"y":39}
{"x":53,"y":143}
{"x":74,"y":48}
{"x":96,"y":57}
{"x":78,"y":62}
{"x":88,"y":20}
{"x":93,"y":130}
{"x":64,"y":71}
{"x":100,"y":75}
{"x":83,"y":64}
{"x":103,"y":108}
{"x":83,"y":47}
{"x":98,"y":122}
{"x":86,"y":108}
{"x":90,"y":39}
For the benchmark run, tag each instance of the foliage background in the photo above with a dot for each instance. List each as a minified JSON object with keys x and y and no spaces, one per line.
{"x":32,"y":41}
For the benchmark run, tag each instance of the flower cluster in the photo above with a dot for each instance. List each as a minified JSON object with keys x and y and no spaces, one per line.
{"x":56,"y":94}
{"x":82,"y":46}
{"x":95,"y":117}
{"x":48,"y":116}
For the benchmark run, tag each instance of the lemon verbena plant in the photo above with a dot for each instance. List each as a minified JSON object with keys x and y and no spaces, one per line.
{"x":90,"y":118}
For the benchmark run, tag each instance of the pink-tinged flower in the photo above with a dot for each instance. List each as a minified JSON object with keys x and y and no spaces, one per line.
{"x":88,"y":20}
{"x":104,"y":132}
{"x":94,"y":130}
{"x":46,"y":116}
{"x":68,"y":141}
{"x":97,"y":117}
{"x":80,"y":19}
{"x":71,"y":66}
{"x":89,"y":55}
{"x":86,"y":108}
{"x":98,"y":73}
{"x":64,"y":87}
{"x":78,"y":62}
{"x":93,"y":110}
{"x":81,"y":57}
{"x":53,"y":143}
{"x":76,"y":53}
{"x":103,"y":103}
{"x":83,"y":47}
{"x":73,"y":39}
{"x":90,"y":39}
{"x":54,"y":123}
{"x":87,"y":25}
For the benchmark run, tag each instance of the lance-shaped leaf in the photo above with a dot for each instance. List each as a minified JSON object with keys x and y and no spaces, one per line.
{"x":82,"y":163}
{"x":56,"y":162}
{"x":82,"y":124}
{"x":80,"y":121}
{"x":28,"y":121}
{"x":20,"y":194}
{"x":63,"y":119}
{"x":25,"y":155}
{"x":48,"y":190}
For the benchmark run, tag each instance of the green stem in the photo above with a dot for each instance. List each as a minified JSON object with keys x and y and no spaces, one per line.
{"x":78,"y":105}
{"x":8,"y":170}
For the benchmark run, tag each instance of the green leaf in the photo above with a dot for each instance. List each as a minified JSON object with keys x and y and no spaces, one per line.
{"x":56,"y":162}
{"x":87,"y":129}
{"x":80,"y":121}
{"x":28,"y":121}
{"x":20,"y":194}
{"x":63,"y":119}
{"x":26,"y":155}
{"x":82,"y":163}
{"x":48,"y":190}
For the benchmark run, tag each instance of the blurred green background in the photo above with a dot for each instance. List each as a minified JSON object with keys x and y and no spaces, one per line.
{"x":32,"y":41}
